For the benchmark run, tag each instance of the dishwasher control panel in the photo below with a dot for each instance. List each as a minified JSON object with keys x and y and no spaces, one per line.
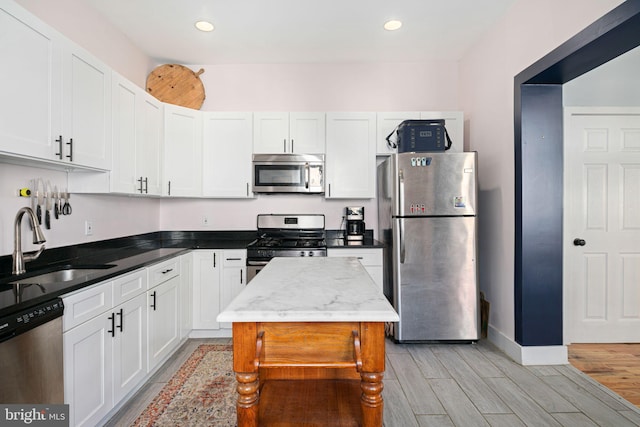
{"x":29,"y":318}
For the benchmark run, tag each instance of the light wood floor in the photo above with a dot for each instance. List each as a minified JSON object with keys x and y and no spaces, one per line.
{"x":463,"y":385}
{"x":616,"y":366}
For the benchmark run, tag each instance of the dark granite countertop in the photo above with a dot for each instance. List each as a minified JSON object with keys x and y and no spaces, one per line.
{"x":123,"y":255}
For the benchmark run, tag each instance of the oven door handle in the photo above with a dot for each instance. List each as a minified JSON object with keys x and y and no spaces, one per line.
{"x":257,"y":263}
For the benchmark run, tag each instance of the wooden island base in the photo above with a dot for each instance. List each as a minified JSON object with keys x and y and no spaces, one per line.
{"x":309,"y":373}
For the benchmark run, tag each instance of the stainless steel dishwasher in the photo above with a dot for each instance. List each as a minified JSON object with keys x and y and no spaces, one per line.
{"x":31,"y":355}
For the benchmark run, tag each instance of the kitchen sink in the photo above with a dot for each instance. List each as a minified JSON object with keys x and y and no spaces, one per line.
{"x":65,"y":274}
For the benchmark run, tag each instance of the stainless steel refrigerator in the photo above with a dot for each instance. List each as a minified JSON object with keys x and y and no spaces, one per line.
{"x":427,"y":218}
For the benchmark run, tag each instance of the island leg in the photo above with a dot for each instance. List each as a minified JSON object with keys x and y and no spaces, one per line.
{"x":372,"y":342}
{"x":248,"y":398}
{"x":246,"y":369}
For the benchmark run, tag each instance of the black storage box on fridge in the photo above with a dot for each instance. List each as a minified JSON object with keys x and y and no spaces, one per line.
{"x":421,"y":136}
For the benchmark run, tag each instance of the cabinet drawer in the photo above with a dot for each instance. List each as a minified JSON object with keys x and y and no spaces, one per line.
{"x":85,"y":305}
{"x":366,"y":256}
{"x":129,"y":286}
{"x":234,"y":258}
{"x":164,"y":271}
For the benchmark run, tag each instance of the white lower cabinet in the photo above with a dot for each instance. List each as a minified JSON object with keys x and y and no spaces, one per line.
{"x":186,"y":295}
{"x":370,"y":258}
{"x":115,"y":333}
{"x":88,"y":371}
{"x":218,"y":276}
{"x":163,"y":299}
{"x":104,"y":356}
{"x":129,"y":346}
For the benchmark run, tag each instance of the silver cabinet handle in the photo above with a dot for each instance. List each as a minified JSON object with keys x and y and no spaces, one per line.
{"x":284,"y":145}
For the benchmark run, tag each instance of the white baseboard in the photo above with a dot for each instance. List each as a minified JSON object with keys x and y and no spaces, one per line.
{"x":210,"y":333}
{"x":529,"y":355}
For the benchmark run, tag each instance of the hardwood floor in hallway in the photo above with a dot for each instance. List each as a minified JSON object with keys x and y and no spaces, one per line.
{"x":464,"y":385}
{"x":616,"y":366}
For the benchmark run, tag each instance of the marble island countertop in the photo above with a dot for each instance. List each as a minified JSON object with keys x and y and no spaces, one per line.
{"x":310,"y":290}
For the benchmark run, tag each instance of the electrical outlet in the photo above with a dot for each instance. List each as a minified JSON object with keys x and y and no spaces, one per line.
{"x":88,"y":228}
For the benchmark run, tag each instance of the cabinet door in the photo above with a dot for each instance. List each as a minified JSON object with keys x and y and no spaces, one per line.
{"x":163,"y":320}
{"x":271,"y":133}
{"x":88,"y":371}
{"x":150,"y":113}
{"x":186,"y":294}
{"x":234,"y":276}
{"x":226,"y":152}
{"x":31,"y":83}
{"x":387,"y":123}
{"x":307,"y":133}
{"x":123,"y":169}
{"x":182,"y":151}
{"x":207,"y":268}
{"x":129,"y":346}
{"x":86,"y":110}
{"x":351,"y":155}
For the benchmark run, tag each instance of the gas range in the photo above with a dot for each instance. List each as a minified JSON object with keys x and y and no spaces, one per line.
{"x":286,"y":236}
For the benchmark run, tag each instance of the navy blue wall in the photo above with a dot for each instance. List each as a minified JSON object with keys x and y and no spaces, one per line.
{"x":539,"y":168}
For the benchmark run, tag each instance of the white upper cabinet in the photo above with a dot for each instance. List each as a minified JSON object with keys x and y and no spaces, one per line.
{"x":182,"y":152}
{"x":137,"y":140}
{"x":388,"y":121}
{"x":86,"y":112}
{"x":31,"y":83}
{"x":56,"y":98}
{"x":149,"y":144}
{"x":301,"y":133}
{"x":226,"y":153}
{"x":351,"y":155}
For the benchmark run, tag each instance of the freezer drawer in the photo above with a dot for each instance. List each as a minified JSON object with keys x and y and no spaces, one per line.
{"x":435,"y":286}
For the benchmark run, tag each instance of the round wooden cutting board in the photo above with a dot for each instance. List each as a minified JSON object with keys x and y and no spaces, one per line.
{"x":176,"y":84}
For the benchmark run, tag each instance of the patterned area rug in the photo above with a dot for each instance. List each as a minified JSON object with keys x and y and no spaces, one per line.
{"x":201,"y":393}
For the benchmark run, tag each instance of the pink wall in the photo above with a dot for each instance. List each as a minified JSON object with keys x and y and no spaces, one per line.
{"x":526,"y":33}
{"x":78,"y":21}
{"x":331,"y":87}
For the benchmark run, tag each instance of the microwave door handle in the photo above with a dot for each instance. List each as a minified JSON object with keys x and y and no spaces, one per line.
{"x":307,"y":174}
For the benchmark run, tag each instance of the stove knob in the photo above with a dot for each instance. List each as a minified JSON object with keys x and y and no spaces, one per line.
{"x":301,"y":253}
{"x":310,"y":253}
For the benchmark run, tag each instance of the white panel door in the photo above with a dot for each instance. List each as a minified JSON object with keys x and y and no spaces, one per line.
{"x":86,"y":109}
{"x":351,"y":156}
{"x":602,"y":215}
{"x":31,"y":83}
{"x":182,"y":151}
{"x":129,"y":346}
{"x":226,"y":153}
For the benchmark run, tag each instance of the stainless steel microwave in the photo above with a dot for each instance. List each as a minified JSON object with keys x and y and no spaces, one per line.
{"x":288,"y":173}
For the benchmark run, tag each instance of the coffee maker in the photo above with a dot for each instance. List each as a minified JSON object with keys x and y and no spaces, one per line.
{"x":355,"y":223}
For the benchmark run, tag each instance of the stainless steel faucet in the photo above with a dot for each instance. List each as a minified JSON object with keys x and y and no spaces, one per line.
{"x":38,"y":237}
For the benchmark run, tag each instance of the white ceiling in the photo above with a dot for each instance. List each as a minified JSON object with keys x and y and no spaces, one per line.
{"x":302,"y":31}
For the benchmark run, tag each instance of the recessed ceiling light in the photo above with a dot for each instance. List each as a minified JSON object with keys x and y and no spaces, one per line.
{"x":392,"y":25}
{"x":204,"y":26}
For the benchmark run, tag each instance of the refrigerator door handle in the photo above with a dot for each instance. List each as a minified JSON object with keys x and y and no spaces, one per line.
{"x":400,"y":192}
{"x":401,"y":235}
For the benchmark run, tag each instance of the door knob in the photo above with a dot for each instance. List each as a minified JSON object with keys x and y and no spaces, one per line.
{"x":579,"y":242}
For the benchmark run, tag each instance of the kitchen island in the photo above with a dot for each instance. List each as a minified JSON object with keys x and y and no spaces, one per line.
{"x":309,"y":344}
